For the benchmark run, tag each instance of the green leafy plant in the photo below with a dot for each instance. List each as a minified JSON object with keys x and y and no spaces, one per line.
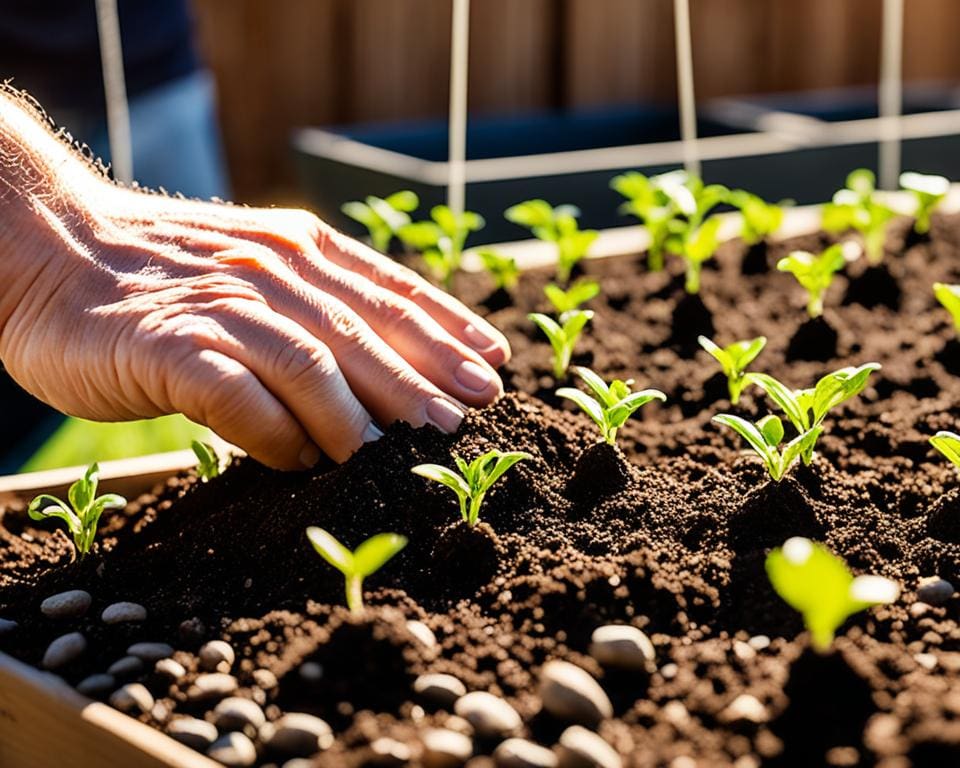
{"x":859,"y":207}
{"x":565,"y":301}
{"x":611,"y":404}
{"x":82,"y":514}
{"x":383,"y":216}
{"x":355,"y":566}
{"x":765,"y":437}
{"x":814,"y":272}
{"x":734,"y":360}
{"x":562,"y":335}
{"x":949,"y":296}
{"x":760,"y":219}
{"x":696,"y":245}
{"x":807,"y":408}
{"x":658,"y":202}
{"x":441,"y":239}
{"x":928,"y":190}
{"x":208,"y":463}
{"x":474,"y":479}
{"x":818,"y":584}
{"x":948,"y":443}
{"x":556,"y":225}
{"x":503,"y":269}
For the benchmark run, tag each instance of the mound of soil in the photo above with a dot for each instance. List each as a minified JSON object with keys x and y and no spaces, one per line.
{"x":668,"y":533}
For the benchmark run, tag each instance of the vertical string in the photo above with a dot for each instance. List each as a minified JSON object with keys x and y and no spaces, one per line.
{"x":688,"y":106}
{"x":459,"y":50}
{"x":115,"y":91}
{"x":890,"y":95}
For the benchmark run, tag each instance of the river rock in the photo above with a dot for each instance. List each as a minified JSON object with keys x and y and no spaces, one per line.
{"x":422,"y":632}
{"x":66,"y":605}
{"x":126,"y":667}
{"x":63,"y":650}
{"x":196,"y":734}
{"x":119,"y":613}
{"x":217,"y":656}
{"x":150,"y":651}
{"x":234,"y":750}
{"x":95,"y":685}
{"x":443,"y":748}
{"x":297,"y":734}
{"x":133,"y":698}
{"x":170,"y":668}
{"x":439,"y":689}
{"x":490,"y":716}
{"x":623,"y":646}
{"x":570,"y":693}
{"x":7,"y":626}
{"x":214,"y":685}
{"x":520,"y":753}
{"x":236,"y":714}
{"x":581,"y":748}
{"x":934,"y":590}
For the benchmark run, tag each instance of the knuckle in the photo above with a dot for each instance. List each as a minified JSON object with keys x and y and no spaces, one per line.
{"x":296,"y":362}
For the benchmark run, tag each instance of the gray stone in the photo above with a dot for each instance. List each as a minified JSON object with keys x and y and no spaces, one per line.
{"x":215,"y":685}
{"x":170,"y":668}
{"x":490,"y":716}
{"x":623,"y":646}
{"x":126,"y":667}
{"x":934,"y":590}
{"x":310,"y":672}
{"x":443,"y":748}
{"x":236,"y":714}
{"x":94,"y":685}
{"x":422,"y":632}
{"x":7,"y":626}
{"x":297,"y":734}
{"x":388,"y":753}
{"x":570,"y":693}
{"x":118,"y":613}
{"x":133,"y":698}
{"x":63,"y":650}
{"x":66,"y":605}
{"x":439,"y":689}
{"x":520,"y":753}
{"x":580,"y":748}
{"x":151,"y":651}
{"x":234,"y":750}
{"x":217,"y":656}
{"x":196,"y":734}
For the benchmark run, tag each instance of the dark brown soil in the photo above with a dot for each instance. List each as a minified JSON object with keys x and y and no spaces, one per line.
{"x":668,"y":533}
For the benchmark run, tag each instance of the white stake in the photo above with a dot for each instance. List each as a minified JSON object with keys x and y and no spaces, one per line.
{"x":688,"y":105}
{"x":115,"y":91}
{"x":459,"y":54}
{"x":890,"y":95}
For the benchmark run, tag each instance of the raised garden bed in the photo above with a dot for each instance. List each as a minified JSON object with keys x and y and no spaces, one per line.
{"x":667,"y":534}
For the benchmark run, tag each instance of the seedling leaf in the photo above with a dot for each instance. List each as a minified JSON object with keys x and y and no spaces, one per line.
{"x":373,"y":553}
{"x":611,"y":405}
{"x":208,"y":463}
{"x":734,"y":360}
{"x":949,"y":297}
{"x":814,"y":273}
{"x":948,"y":443}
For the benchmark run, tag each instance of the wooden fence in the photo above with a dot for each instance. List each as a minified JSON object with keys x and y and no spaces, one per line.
{"x":284,"y":63}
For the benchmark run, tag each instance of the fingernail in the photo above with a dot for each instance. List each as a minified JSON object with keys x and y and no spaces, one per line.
{"x":479,"y":340}
{"x":472,"y":376}
{"x":444,"y":414}
{"x":310,"y":455}
{"x":371,"y":433}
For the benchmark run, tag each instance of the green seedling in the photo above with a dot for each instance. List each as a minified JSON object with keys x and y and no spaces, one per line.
{"x":658,"y":202}
{"x":565,"y":301}
{"x":807,"y":408}
{"x":611,"y":405}
{"x":949,"y":297}
{"x":818,"y":584}
{"x":734,"y":360}
{"x":760,"y":219}
{"x":859,"y":207}
{"x":474,"y":479}
{"x":383,"y":216}
{"x":556,"y":225}
{"x":562,"y":336}
{"x":208,"y":463}
{"x":948,"y":443}
{"x":696,"y":246}
{"x":441,"y":239}
{"x":765,"y":437}
{"x":503,"y":269}
{"x":82,"y":514}
{"x":355,"y":566}
{"x":814,"y":272}
{"x":928,"y":190}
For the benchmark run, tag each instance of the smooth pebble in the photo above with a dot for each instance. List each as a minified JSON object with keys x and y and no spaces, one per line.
{"x":745,"y":707}
{"x":581,"y":748}
{"x":234,"y":750}
{"x":422,"y":632}
{"x":170,"y":668}
{"x":623,"y":646}
{"x":63,"y":650}
{"x":150,"y":651}
{"x":66,"y":605}
{"x":126,"y":667}
{"x":212,"y":686}
{"x":520,"y":753}
{"x":195,"y":733}
{"x":236,"y":714}
{"x":297,"y":734}
{"x":133,"y":698}
{"x":94,"y":685}
{"x":490,"y":716}
{"x":217,"y":656}
{"x":934,"y":590}
{"x":119,"y":613}
{"x":440,"y":689}
{"x":7,"y":625}
{"x":443,"y":748}
{"x":570,"y":693}
{"x":388,"y":753}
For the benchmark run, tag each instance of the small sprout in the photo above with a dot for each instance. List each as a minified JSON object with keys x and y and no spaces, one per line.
{"x":208,"y":463}
{"x":562,"y":336}
{"x":565,"y":301}
{"x":355,"y":566}
{"x":814,"y":273}
{"x":928,"y":190}
{"x":765,"y":437}
{"x":658,"y":201}
{"x":612,"y":404}
{"x":818,"y":584}
{"x":503,"y":269}
{"x":383,"y":217}
{"x":807,"y":408}
{"x":858,"y":207}
{"x":760,"y":219}
{"x":556,"y":225}
{"x":949,"y":296}
{"x":948,"y":443}
{"x":734,"y":360}
{"x":695,"y":246}
{"x":84,"y":510}
{"x":474,"y":479}
{"x":441,"y":240}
